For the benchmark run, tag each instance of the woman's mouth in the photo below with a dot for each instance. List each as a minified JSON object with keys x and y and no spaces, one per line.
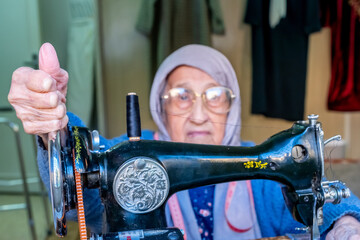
{"x":193,"y":134}
{"x":199,"y":137}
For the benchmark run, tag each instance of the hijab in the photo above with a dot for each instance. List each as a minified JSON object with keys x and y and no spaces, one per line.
{"x":214,"y":64}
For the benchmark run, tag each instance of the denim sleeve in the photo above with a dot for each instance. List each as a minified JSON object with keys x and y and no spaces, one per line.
{"x":275,"y":219}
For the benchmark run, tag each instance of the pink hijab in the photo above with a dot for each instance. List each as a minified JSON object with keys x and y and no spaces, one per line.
{"x":213,"y":63}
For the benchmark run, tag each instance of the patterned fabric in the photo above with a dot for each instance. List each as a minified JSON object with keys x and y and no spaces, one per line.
{"x":202,"y":200}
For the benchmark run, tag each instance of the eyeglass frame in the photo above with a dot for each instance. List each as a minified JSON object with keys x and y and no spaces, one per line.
{"x":202,"y":96}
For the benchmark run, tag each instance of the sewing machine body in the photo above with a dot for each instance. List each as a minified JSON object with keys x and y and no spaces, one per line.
{"x":190,"y":166}
{"x":136,"y":178}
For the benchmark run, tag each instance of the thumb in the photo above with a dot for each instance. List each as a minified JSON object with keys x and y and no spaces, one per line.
{"x":48,"y":60}
{"x":49,"y":63}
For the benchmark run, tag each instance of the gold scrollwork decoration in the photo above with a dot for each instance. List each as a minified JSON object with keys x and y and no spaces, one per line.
{"x":255,"y":164}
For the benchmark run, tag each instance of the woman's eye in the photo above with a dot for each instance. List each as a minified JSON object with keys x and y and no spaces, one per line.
{"x":184,"y":97}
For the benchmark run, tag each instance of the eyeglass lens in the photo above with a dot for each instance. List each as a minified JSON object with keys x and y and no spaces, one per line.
{"x":181,"y":100}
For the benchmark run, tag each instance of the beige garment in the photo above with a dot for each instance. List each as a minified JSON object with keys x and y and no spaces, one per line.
{"x":81,"y":48}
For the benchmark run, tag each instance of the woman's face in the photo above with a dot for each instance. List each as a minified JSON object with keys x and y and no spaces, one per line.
{"x":199,"y":125}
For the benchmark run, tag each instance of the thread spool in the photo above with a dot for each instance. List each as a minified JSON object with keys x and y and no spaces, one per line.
{"x":133,"y":123}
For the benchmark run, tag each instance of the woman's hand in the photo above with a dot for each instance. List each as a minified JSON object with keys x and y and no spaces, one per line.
{"x":39,"y":96}
{"x":346,"y":228}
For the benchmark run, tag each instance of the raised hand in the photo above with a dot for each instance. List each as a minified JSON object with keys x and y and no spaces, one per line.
{"x":346,"y":228}
{"x":39,"y":96}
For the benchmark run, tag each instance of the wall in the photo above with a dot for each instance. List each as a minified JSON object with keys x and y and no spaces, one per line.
{"x":19,"y":24}
{"x":55,"y":17}
{"x":125,"y":55}
{"x":126,"y":68}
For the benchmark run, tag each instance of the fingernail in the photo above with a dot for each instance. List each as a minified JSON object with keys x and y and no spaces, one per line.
{"x":47,"y":83}
{"x":46,"y":50}
{"x":66,"y":120}
{"x":53,"y":100}
{"x":48,"y":60}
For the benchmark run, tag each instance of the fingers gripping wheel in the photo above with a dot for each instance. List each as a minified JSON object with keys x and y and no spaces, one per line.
{"x":56,"y":186}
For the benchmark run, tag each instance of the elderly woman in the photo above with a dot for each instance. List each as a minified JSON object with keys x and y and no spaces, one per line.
{"x":195,"y":98}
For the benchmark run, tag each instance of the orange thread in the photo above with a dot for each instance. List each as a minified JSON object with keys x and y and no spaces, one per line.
{"x":80,"y":204}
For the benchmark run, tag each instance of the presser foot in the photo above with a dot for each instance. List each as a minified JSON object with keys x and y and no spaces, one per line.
{"x":311,"y":214}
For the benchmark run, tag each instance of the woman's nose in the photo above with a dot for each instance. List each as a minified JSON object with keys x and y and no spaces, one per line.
{"x":199,"y":113}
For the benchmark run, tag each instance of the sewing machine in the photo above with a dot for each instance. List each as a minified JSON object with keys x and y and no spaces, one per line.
{"x":136,"y":177}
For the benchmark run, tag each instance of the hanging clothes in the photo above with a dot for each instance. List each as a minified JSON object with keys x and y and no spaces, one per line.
{"x":277,"y":12}
{"x":81,"y":51}
{"x":344,"y":90}
{"x":173,"y":24}
{"x":355,"y":4}
{"x":279,"y":56}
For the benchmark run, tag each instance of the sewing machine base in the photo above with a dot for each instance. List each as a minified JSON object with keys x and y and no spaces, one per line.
{"x":148,"y":234}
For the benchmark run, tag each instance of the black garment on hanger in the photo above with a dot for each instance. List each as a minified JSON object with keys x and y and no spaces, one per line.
{"x":279,"y":57}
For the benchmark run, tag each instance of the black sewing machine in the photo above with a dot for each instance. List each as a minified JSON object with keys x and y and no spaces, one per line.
{"x":136,"y":177}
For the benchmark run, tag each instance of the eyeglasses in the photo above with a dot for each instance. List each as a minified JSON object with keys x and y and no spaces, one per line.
{"x":181,"y":100}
